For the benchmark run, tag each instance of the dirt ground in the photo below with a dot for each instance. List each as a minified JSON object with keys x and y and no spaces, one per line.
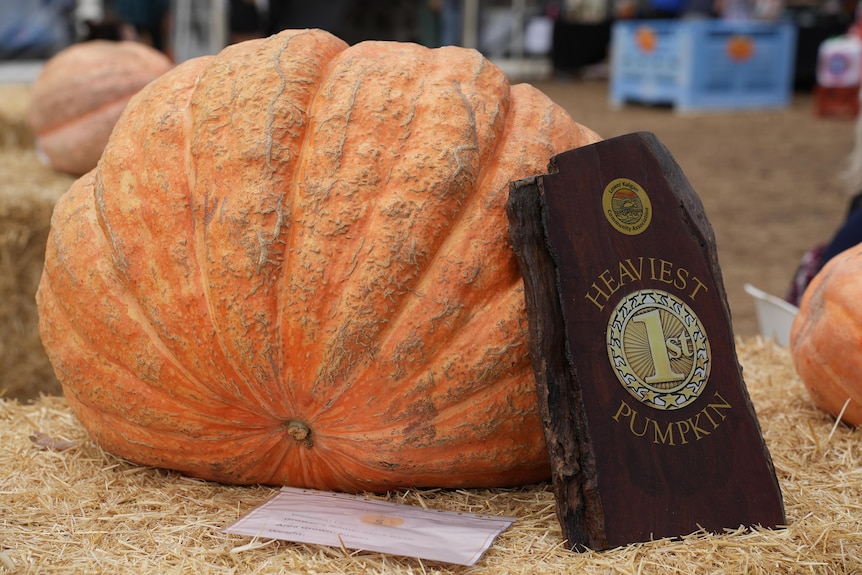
{"x":770,"y":181}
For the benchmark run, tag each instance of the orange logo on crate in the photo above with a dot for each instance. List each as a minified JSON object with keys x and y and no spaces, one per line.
{"x":646,"y":39}
{"x":739,"y":48}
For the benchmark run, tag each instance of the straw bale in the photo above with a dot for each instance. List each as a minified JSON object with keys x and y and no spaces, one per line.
{"x":72,"y":508}
{"x":28,"y":192}
{"x":14,"y":105}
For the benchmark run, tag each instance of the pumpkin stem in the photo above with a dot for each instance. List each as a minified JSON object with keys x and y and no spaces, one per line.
{"x":299,"y":431}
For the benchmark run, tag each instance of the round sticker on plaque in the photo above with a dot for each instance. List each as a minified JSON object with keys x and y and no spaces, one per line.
{"x":627,"y":206}
{"x":658,"y":349}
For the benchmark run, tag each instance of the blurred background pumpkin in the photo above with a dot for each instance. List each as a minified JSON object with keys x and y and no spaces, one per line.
{"x":79,"y":95}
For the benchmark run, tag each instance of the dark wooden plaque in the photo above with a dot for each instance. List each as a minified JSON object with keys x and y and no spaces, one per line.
{"x":649,"y":425}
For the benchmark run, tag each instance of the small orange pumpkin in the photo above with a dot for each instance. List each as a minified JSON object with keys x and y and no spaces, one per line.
{"x":292,"y":266}
{"x":826,"y":341}
{"x":79,"y":96}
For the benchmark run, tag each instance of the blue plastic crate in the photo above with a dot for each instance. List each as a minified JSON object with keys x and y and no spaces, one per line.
{"x":703,"y":64}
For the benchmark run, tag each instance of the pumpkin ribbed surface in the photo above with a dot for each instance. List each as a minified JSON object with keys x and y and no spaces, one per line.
{"x":79,"y":96}
{"x":292,"y":266}
{"x":826,"y":337}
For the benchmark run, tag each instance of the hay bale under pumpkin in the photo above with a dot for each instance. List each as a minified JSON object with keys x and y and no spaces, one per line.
{"x":81,"y":510}
{"x":15,"y":133}
{"x":28,"y":192}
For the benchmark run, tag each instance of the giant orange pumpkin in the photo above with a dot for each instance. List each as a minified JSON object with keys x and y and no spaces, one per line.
{"x":79,"y":96}
{"x":292,"y":266}
{"x":826,"y":337}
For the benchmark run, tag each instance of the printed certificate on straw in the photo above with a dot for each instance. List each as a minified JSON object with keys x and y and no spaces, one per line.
{"x":355,"y":522}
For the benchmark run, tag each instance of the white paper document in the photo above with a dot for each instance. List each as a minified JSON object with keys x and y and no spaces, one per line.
{"x":355,"y":522}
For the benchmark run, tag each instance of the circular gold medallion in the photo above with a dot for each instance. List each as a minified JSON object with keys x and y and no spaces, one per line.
{"x":658,"y":349}
{"x":627,"y":206}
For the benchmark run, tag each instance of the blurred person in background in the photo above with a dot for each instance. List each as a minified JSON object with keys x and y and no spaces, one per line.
{"x":246,"y":21}
{"x":145,"y":17}
{"x":36,"y":29}
{"x":450,"y":22}
{"x":848,"y":234}
{"x":284,"y":14}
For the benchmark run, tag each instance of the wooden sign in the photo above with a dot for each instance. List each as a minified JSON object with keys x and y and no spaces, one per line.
{"x":649,"y":425}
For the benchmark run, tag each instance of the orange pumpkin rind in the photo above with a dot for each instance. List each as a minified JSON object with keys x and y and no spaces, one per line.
{"x":292,"y":266}
{"x":826,"y":340}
